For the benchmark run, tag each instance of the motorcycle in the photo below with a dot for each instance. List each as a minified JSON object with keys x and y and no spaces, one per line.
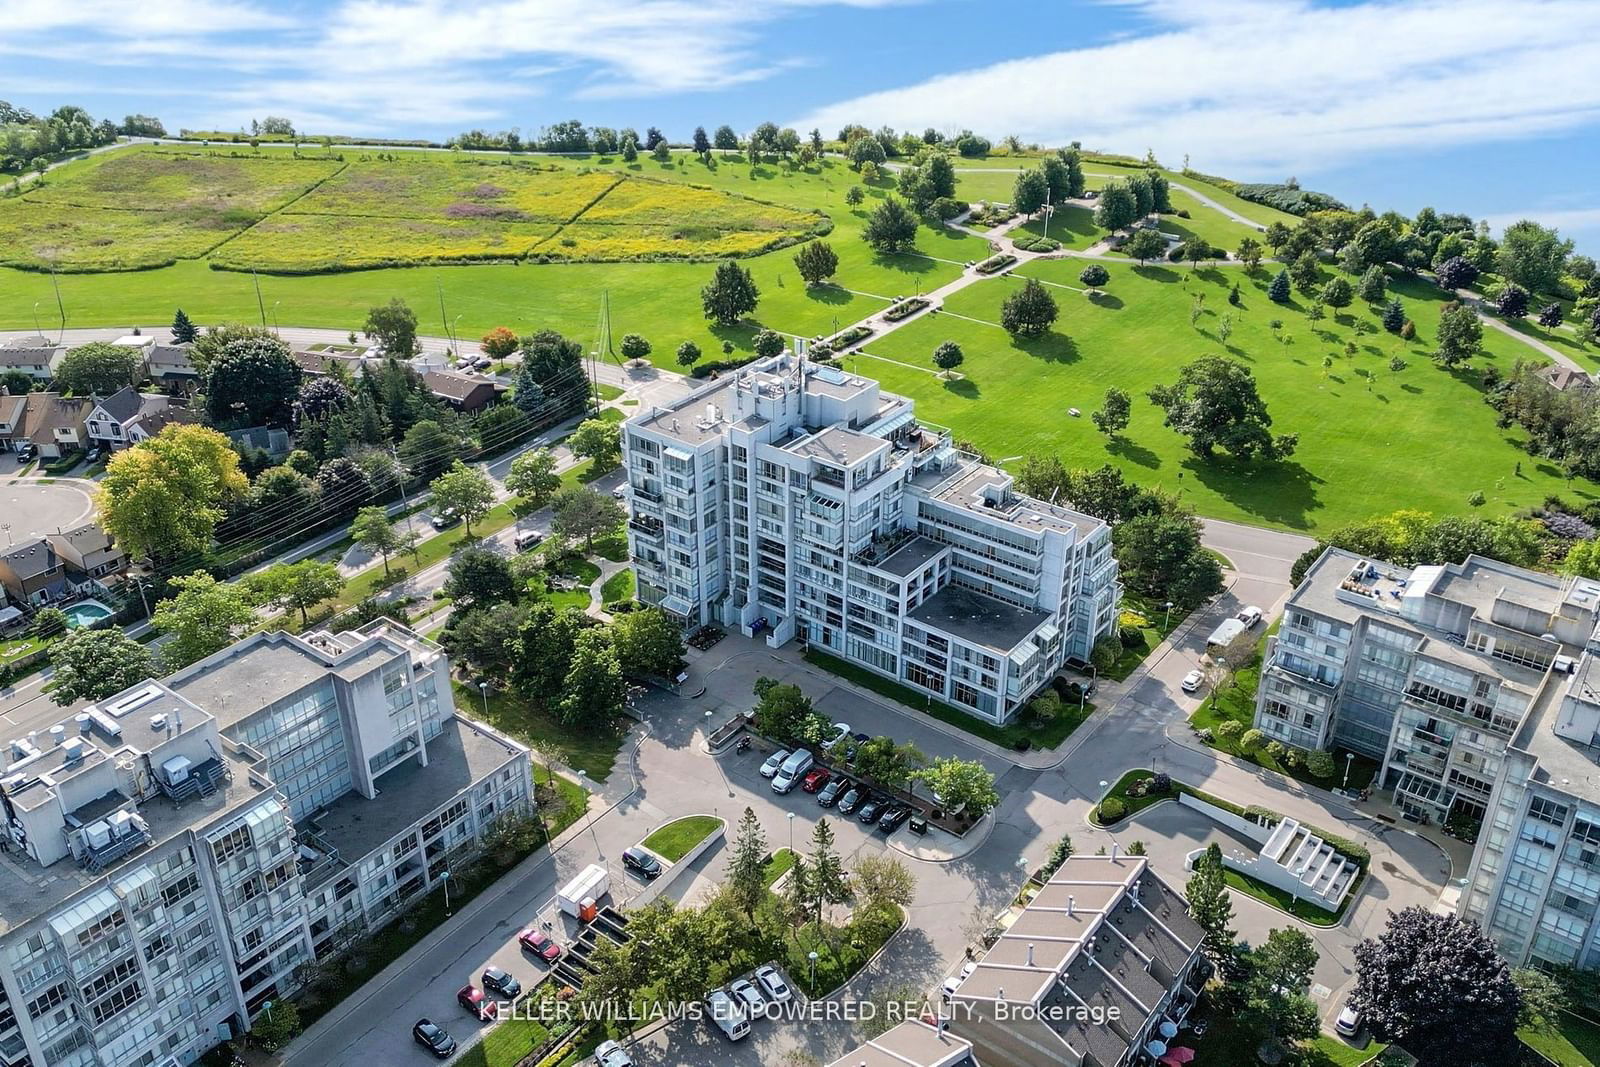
{"x":744,"y":743}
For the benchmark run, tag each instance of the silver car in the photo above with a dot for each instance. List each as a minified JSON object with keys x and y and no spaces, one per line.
{"x":774,"y":761}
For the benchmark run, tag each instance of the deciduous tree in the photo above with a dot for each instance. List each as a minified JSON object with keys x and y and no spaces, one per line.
{"x":498,"y":343}
{"x":1115,"y":410}
{"x":394,"y":327}
{"x":164,"y":496}
{"x":594,"y":691}
{"x":373,"y":531}
{"x":816,"y":261}
{"x":598,"y":440}
{"x":947,"y":357}
{"x":688,"y":353}
{"x":204,"y":616}
{"x":1460,"y":335}
{"x":1215,"y":404}
{"x":1117,"y":206}
{"x":296,"y":586}
{"x":480,"y":577}
{"x":468,"y":491}
{"x":95,"y":664}
{"x":1029,"y":191}
{"x":958,"y":782}
{"x":252,"y":382}
{"x":1029,"y":311}
{"x":648,"y":644}
{"x":1249,"y":253}
{"x":98,"y":367}
{"x":890,"y":227}
{"x":533,"y":477}
{"x":583,"y":514}
{"x":1533,"y":256}
{"x":731,"y":294}
{"x":1455,"y":273}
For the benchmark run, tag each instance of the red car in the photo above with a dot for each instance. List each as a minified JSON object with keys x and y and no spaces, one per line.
{"x":539,"y":943}
{"x":814,"y":780}
{"x":472,"y":999}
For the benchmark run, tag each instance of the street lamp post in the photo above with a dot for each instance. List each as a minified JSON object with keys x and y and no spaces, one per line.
{"x":812,"y":956}
{"x":791,"y":833}
{"x":1349,"y":758}
{"x":1167,"y":619}
{"x":483,"y":690}
{"x":445,"y":878}
{"x":583,"y":779}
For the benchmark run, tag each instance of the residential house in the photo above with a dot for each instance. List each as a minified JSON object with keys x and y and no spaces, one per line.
{"x":315,"y":362}
{"x":88,"y":551}
{"x":127,"y":417}
{"x":920,"y":1042}
{"x":172,"y":367}
{"x":464,"y":392}
{"x":1563,"y":379}
{"x":13,"y":420}
{"x":34,"y":356}
{"x":32,"y":573}
{"x":271,"y":440}
{"x":140,"y":344}
{"x":56,"y":424}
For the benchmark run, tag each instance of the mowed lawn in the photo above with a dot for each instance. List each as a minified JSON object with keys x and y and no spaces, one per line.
{"x":1422,"y":438}
{"x":660,"y":300}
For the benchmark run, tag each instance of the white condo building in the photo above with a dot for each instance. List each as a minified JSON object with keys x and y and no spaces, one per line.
{"x":797,"y":500}
{"x":172,"y":855}
{"x":1478,"y":687}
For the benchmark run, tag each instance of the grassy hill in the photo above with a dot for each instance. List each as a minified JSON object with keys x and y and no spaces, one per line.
{"x":1372,"y":440}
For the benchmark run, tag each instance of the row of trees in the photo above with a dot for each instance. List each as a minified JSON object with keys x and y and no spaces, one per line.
{"x":784,"y":713}
{"x":31,"y":142}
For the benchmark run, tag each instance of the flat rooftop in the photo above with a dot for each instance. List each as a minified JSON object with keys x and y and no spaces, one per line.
{"x":911,"y":556}
{"x":838,"y":446}
{"x":28,"y":890}
{"x":978,"y":619}
{"x":462,"y":755}
{"x":685,"y":420}
{"x":986,"y":490}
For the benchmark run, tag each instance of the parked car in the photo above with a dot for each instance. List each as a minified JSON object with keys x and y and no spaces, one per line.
{"x":1192,"y":681}
{"x":431,"y":1036}
{"x":1249,"y":616}
{"x":93,"y":455}
{"x":727,"y":1015}
{"x":953,"y":983}
{"x":798,"y":763}
{"x":472,"y":999}
{"x":620,"y":493}
{"x":749,"y":997}
{"x":1348,"y":1024}
{"x":500,"y":982}
{"x":870,"y":809}
{"x":27,"y":452}
{"x":612,"y":1054}
{"x":814,"y":780}
{"x":841,"y":730}
{"x":848,"y":802}
{"x":831,"y":791}
{"x":890,"y":818}
{"x":772,"y":984}
{"x":538,"y":942}
{"x":637,"y":859}
{"x":774,"y":761}
{"x":527,"y":539}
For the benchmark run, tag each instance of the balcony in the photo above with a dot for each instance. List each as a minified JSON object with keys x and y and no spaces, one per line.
{"x":644,"y":526}
{"x":645,"y":494}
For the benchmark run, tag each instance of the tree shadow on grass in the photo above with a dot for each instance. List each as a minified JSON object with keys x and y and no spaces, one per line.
{"x":1106,"y":300}
{"x":1414,"y":390}
{"x":828,"y":294}
{"x":1051,"y":347}
{"x":963,"y":387}
{"x":1283,"y":492}
{"x":1157,"y":274}
{"x":741,"y":334}
{"x":901,"y":261}
{"x":1133,"y":452}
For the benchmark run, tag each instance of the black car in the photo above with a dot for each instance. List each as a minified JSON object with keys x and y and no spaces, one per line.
{"x":890,"y":818}
{"x":832,"y":791}
{"x":499,"y":981}
{"x":637,"y":859}
{"x":848,"y":802}
{"x":870,"y":809}
{"x":431,"y":1036}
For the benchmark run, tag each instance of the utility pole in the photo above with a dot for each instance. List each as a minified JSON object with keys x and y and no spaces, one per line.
{"x":260,"y":303}
{"x":60,"y":307}
{"x":444,"y":316}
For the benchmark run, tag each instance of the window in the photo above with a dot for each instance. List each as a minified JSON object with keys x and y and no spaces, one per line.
{"x":1547,"y":811}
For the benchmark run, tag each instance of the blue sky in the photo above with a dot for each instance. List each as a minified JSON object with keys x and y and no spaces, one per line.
{"x":1470,"y":105}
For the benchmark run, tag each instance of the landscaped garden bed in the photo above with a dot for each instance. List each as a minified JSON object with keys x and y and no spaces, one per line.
{"x":1033,"y":243}
{"x":678,"y":838}
{"x":906,"y":308}
{"x":996,"y":264}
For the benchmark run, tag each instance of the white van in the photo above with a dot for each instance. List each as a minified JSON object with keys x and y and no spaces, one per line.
{"x":527,"y":539}
{"x":798,"y":763}
{"x":728,"y":1016}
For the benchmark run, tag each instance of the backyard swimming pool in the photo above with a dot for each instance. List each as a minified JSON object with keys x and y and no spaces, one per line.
{"x":87,"y":613}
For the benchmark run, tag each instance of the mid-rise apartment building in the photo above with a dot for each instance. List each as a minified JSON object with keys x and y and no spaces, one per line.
{"x":173,"y":854}
{"x":1477,"y":687}
{"x":797,"y":500}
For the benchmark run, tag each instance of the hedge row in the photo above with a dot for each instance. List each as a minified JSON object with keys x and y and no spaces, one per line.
{"x":906,"y":308}
{"x":995,"y":264}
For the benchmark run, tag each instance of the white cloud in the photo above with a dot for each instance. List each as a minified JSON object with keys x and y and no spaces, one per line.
{"x":1257,"y":87}
{"x":1567,"y":220}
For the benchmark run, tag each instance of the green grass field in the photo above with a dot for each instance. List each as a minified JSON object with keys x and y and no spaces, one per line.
{"x":673,"y":841}
{"x":1361,"y":439}
{"x":1574,"y":1043}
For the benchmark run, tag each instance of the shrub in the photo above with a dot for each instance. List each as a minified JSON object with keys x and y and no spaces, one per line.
{"x":905,"y":308}
{"x":1276,"y":750}
{"x":1036,"y":243}
{"x":995,"y":264}
{"x":1131,"y":636}
{"x":1094,"y":275}
{"x":1111,"y":810}
{"x":1161,"y":783}
{"x":1320,"y":764}
{"x":1251,"y":739}
{"x":1230,"y":730}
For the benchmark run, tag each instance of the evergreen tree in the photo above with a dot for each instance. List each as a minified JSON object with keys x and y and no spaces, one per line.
{"x":746,"y":879}
{"x":1278,"y":291}
{"x":1394,"y":315}
{"x":828,"y":882}
{"x":183,"y":331}
{"x":1209,"y":905}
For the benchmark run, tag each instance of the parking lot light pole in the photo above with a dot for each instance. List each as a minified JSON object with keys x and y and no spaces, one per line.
{"x":445,"y":878}
{"x":812,"y":956}
{"x":1349,"y":758}
{"x":483,"y":688}
{"x":1167,"y":620}
{"x":791,"y":833}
